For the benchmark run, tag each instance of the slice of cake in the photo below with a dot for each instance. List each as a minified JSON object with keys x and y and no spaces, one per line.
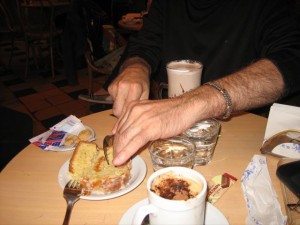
{"x":89,"y":167}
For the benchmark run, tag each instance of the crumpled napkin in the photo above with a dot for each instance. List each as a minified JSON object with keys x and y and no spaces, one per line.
{"x":261,"y":198}
{"x":282,"y":118}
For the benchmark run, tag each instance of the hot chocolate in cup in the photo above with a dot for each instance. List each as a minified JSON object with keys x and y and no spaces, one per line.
{"x":177,"y":195}
{"x":175,"y":187}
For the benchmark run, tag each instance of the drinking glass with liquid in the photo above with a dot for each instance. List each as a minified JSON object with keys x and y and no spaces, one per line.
{"x":175,"y":151}
{"x":204,"y":135}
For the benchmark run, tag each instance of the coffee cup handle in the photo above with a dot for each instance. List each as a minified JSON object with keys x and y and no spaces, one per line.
{"x":142,"y":212}
{"x":160,"y":89}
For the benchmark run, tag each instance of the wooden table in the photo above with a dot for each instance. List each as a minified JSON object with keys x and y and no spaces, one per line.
{"x":30,"y":193}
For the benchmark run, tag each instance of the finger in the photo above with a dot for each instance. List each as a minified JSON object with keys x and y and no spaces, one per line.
{"x":119,"y":102}
{"x":120,"y":120}
{"x":136,"y":125}
{"x":125,"y":95}
{"x":133,"y":116}
{"x":130,"y":148}
{"x":119,"y":94}
{"x":145,"y":94}
{"x":123,"y":136}
{"x":135,"y":93}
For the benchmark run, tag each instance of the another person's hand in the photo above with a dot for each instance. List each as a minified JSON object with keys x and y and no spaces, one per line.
{"x":144,"y":121}
{"x":131,"y":84}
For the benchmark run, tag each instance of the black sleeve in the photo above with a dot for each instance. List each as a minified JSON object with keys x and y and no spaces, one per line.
{"x":279,"y":41}
{"x":147,"y":43}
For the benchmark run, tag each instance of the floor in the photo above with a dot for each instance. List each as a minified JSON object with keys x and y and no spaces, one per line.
{"x":45,"y":99}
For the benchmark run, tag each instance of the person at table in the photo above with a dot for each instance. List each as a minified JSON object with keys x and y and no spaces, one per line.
{"x":250,"y":49}
{"x":15,"y":130}
{"x":84,"y":20}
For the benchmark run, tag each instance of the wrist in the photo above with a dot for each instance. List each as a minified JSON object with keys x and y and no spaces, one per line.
{"x":136,"y":62}
{"x":226,"y":115}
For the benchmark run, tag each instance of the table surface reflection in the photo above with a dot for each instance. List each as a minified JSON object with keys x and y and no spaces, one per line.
{"x":30,"y":192}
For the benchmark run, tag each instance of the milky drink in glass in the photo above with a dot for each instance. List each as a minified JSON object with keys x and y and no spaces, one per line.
{"x":183,"y":76}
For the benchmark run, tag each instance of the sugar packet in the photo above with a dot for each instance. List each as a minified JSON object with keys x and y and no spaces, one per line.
{"x":218,"y":186}
{"x":54,"y":138}
{"x":49,"y":139}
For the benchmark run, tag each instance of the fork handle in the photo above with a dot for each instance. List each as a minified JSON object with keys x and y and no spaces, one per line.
{"x":70,"y":205}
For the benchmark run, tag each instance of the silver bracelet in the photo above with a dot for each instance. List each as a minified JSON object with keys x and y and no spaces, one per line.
{"x":227,"y":98}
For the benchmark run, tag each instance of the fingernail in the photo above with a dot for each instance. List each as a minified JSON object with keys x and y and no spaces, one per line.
{"x":113,"y":130}
{"x":115,"y":162}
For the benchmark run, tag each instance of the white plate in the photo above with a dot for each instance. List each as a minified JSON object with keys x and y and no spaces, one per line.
{"x":69,"y":148}
{"x":212,"y":214}
{"x":138,"y":173}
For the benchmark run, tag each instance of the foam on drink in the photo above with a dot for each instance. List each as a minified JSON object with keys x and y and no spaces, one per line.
{"x":175,"y":187}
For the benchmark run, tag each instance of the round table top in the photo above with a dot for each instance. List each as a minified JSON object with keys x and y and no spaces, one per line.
{"x":30,"y":192}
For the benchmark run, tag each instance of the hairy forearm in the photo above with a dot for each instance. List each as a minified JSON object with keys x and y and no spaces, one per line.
{"x":254,"y":86}
{"x":257,"y":85}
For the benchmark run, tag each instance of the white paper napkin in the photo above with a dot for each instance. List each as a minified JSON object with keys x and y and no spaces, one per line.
{"x":69,"y":125}
{"x":282,"y":117}
{"x":261,"y":199}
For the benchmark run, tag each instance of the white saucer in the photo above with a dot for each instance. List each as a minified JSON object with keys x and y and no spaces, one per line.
{"x":138,"y":173}
{"x":212,"y":214}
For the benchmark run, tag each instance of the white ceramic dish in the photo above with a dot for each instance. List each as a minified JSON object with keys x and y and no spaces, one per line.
{"x":138,"y":173}
{"x":69,"y":148}
{"x":212,"y":214}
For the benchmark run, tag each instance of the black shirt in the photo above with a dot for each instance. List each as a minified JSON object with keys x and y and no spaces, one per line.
{"x":224,"y":35}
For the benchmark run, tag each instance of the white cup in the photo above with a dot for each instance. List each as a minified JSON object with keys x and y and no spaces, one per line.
{"x":165,"y":211}
{"x":183,"y":76}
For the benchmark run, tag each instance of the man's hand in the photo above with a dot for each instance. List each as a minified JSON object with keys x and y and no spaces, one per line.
{"x":148,"y":120}
{"x":131,"y":84}
{"x":141,"y":121}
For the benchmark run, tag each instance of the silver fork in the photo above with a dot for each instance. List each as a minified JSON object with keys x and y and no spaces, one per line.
{"x":72,"y":192}
{"x":107,"y":141}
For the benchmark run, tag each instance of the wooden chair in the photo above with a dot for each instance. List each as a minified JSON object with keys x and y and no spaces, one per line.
{"x":37,"y":22}
{"x":106,"y":64}
{"x":12,"y":27}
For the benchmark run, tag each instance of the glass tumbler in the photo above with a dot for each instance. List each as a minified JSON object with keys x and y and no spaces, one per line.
{"x":174,"y":151}
{"x":204,"y":135}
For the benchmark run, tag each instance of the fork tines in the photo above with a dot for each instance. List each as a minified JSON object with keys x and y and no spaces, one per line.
{"x":73,"y":184}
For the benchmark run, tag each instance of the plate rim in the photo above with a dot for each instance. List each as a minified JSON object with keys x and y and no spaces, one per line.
{"x":137,"y":162}
{"x":144,"y":201}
